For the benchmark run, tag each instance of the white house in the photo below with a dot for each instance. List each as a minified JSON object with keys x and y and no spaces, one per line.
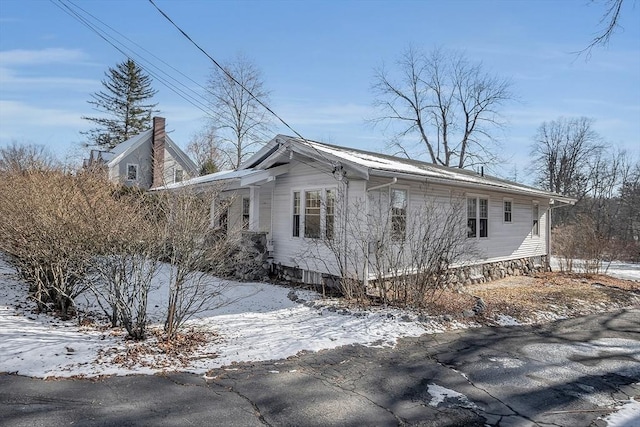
{"x":324,"y":208}
{"x":149,"y":159}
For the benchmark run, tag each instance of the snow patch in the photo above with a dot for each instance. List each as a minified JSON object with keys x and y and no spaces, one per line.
{"x":504,"y":320}
{"x":627,"y":415}
{"x":440,"y":394}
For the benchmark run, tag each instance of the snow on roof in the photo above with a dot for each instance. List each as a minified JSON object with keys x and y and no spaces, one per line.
{"x":382,"y":162}
{"x":121,"y":150}
{"x":212,"y":177}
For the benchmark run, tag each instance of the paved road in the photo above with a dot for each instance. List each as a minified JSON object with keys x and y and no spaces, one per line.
{"x":568,"y":373}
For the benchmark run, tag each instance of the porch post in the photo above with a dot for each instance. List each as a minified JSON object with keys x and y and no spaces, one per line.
{"x":254,"y":208}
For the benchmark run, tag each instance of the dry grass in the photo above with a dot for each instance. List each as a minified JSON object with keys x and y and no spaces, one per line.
{"x":544,"y":296}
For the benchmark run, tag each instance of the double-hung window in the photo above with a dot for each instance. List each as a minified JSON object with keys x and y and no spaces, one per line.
{"x":477,"y":217}
{"x":314,"y":214}
{"x":508,"y":211}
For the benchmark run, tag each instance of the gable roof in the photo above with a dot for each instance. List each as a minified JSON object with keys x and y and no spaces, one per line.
{"x":123,"y":149}
{"x":365,"y":163}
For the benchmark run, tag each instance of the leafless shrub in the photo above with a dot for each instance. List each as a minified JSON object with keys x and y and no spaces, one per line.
{"x":580,"y":241}
{"x":48,"y":231}
{"x":191,"y":250}
{"x":406,"y":259}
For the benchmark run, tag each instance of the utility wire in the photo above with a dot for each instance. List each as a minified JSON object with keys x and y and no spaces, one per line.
{"x":194,"y":98}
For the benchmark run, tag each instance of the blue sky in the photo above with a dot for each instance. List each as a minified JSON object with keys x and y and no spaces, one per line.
{"x":317,"y":59}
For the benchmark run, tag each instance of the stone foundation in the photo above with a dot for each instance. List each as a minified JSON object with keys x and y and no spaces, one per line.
{"x":481,"y":273}
{"x":457,"y":277}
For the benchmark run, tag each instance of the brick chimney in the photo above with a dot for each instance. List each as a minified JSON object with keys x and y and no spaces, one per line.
{"x":157,"y":146}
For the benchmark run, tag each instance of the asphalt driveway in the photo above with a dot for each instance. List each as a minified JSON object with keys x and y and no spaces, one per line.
{"x":568,"y":373}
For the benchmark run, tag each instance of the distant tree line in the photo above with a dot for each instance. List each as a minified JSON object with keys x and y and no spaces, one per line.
{"x":571,"y":158}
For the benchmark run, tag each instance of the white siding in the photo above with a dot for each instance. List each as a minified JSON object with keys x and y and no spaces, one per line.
{"x":140,"y":156}
{"x":307,"y":254}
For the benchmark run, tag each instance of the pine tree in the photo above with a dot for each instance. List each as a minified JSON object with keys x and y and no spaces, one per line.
{"x":125,"y":101}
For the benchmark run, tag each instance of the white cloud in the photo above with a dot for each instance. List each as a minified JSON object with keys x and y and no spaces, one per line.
{"x":9,"y":80}
{"x":19,"y":115}
{"x":41,"y":56}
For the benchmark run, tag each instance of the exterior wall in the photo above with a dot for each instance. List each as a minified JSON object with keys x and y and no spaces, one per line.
{"x":141,"y":156}
{"x":510,"y":248}
{"x":171,"y":163}
{"x":300,"y":252}
{"x":515,"y":240}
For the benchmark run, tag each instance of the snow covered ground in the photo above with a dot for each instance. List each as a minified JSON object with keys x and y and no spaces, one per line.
{"x":260,"y":323}
{"x":621,"y":270}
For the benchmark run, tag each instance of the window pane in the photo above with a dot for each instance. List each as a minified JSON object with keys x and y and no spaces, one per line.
{"x":484,"y":208}
{"x":484,"y":227}
{"x":296,"y":214}
{"x":471,"y":217}
{"x":312,"y":214}
{"x":536,"y":225}
{"x":178,"y":177}
{"x":471,"y":208}
{"x":471,"y":227}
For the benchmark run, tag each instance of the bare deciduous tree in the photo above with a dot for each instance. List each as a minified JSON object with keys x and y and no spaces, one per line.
{"x":239,"y":120}
{"x":444,"y":103}
{"x":561,"y":154}
{"x":610,"y":18}
{"x":18,"y":157}
{"x":205,"y":148}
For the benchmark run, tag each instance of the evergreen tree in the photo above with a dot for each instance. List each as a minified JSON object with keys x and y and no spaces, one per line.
{"x":125,"y":101}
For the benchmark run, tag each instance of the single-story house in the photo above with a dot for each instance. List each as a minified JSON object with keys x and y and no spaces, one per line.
{"x":147,"y":160}
{"x":330,"y":211}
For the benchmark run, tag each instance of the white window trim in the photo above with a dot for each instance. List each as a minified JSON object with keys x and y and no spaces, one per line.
{"x":323,"y":211}
{"x":466,"y":214}
{"x":507,"y":199}
{"x":137,"y":172}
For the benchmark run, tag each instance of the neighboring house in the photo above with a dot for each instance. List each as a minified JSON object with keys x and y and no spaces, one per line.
{"x":147,"y":160}
{"x":324,"y":208}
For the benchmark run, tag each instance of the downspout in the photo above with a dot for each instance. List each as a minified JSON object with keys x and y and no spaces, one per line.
{"x":548,"y":266}
{"x":366,"y":204}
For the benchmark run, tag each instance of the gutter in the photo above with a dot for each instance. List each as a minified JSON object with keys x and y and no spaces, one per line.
{"x":388,"y":184}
